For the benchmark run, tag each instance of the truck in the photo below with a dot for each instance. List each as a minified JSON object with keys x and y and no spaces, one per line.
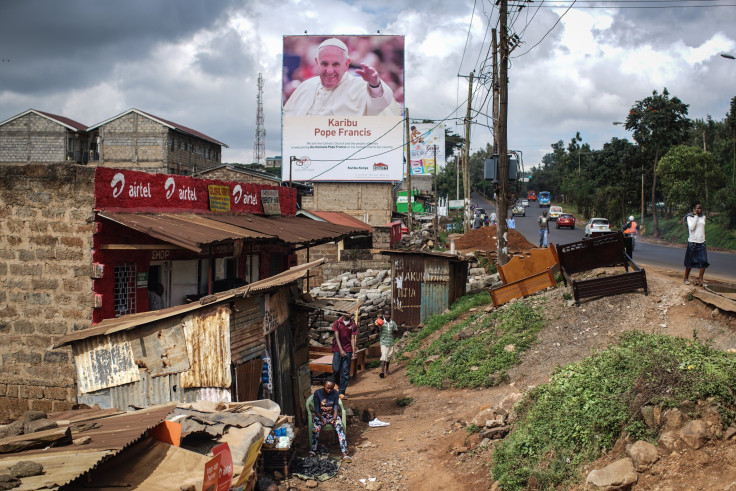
{"x":531,"y":196}
{"x":544,"y":199}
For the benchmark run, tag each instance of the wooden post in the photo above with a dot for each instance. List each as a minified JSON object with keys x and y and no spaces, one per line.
{"x":503,"y":161}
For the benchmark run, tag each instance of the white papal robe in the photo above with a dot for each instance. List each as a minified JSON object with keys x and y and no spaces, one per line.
{"x":352,"y":97}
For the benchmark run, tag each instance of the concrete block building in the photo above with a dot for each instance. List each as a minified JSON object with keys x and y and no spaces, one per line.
{"x":37,"y":136}
{"x":138,"y":140}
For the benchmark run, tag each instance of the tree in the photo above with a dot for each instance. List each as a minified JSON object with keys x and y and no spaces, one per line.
{"x":657,"y":123}
{"x":684,"y":172}
{"x":731,"y":122}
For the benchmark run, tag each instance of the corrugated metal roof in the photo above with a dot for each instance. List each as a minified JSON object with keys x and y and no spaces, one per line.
{"x":126,"y":322}
{"x":419,"y":253}
{"x":187,"y":230}
{"x":341,"y":218}
{"x":292,"y":230}
{"x":108,"y":436}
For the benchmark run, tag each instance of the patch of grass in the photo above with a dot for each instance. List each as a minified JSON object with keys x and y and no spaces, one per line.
{"x":567,"y":296}
{"x":462,"y":305}
{"x":373,"y":364}
{"x":482,"y":358}
{"x":587,"y":406}
{"x":404,"y":401}
{"x":472,"y":428}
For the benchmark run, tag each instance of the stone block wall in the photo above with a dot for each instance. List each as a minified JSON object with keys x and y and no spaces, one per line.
{"x":46,"y":226}
{"x":228,"y":174}
{"x":369,"y":202}
{"x":327,"y":251}
{"x":32,"y":138}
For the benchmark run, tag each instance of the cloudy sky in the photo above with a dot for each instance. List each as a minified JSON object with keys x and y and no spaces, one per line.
{"x":197,"y":63}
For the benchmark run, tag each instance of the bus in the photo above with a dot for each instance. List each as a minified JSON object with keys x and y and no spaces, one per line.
{"x":544,"y":199}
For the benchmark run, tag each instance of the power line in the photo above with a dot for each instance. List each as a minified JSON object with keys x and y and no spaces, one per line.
{"x":550,"y":30}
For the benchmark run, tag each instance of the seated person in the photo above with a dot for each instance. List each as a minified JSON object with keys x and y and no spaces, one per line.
{"x":327,"y":411}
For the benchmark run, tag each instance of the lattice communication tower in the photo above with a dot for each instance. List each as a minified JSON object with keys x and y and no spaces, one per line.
{"x":259,"y":146}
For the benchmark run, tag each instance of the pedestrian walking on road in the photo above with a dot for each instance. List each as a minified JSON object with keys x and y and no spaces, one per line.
{"x":543,"y":223}
{"x":387,"y":328}
{"x":511,"y":223}
{"x":696,"y":255}
{"x":343,"y":346}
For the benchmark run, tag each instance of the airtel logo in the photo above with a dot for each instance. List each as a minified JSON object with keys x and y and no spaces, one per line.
{"x":237,"y":193}
{"x":117,"y":184}
{"x":170,"y":187}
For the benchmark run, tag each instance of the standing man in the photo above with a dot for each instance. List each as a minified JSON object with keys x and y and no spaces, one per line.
{"x":543,"y":223}
{"x":511,"y":223}
{"x":387,"y":328}
{"x":335,"y":92}
{"x":494,"y":218}
{"x":343,"y":346}
{"x":696,"y":256}
{"x":477,"y":221}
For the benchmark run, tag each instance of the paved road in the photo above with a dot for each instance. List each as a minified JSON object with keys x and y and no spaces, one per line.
{"x":722,"y":264}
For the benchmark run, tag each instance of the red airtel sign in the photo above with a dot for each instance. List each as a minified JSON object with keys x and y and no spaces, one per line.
{"x":118,"y":189}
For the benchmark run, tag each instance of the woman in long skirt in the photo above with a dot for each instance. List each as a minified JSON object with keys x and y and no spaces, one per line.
{"x":696,"y":256}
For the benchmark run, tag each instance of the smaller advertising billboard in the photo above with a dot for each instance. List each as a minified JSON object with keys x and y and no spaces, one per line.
{"x":425,"y":139}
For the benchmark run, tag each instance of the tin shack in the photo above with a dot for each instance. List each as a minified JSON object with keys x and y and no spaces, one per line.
{"x":424,"y":283}
{"x":238,"y":345}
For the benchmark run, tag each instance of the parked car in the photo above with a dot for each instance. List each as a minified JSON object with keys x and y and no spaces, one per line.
{"x":566,"y":220}
{"x":524,"y":202}
{"x":596,"y":225}
{"x":518,"y":210}
{"x":555,"y":212}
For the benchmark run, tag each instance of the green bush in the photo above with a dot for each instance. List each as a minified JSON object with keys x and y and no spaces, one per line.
{"x":586,"y":406}
{"x":482,"y":359}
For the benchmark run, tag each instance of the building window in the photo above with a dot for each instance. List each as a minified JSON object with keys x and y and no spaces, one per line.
{"x":124,"y":289}
{"x":171,"y":144}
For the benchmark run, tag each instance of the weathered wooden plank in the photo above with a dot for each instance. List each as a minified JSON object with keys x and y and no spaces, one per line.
{"x":45,"y":438}
{"x":523,"y":288}
{"x":531,"y":263}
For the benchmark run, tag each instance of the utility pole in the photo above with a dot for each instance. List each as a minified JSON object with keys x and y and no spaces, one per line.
{"x":494,"y":88}
{"x":408,"y":170}
{"x":436,"y":198}
{"x":466,"y":160}
{"x":503,"y":161}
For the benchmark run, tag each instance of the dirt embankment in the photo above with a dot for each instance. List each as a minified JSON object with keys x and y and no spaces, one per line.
{"x":427,"y":447}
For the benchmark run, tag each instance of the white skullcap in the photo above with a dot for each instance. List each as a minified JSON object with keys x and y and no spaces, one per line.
{"x":334,"y":42}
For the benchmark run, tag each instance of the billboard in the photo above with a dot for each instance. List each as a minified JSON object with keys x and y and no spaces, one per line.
{"x":343,"y":105}
{"x":424,"y":138}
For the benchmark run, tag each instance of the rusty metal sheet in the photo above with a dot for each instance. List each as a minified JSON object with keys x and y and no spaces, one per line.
{"x":188,"y":230}
{"x":208,"y":349}
{"x":435,"y":299}
{"x":104,"y":361}
{"x":408,"y":273}
{"x":292,"y":230}
{"x":160,"y":348}
{"x":436,"y":270}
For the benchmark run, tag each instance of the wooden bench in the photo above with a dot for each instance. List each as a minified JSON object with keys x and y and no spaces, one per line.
{"x":600,"y":252}
{"x":320,"y":360}
{"x":526,"y":274}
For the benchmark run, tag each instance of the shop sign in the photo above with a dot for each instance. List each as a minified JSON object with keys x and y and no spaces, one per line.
{"x":219,"y":197}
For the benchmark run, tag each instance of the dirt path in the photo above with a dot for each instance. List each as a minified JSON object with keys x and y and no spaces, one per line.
{"x":426,"y":446}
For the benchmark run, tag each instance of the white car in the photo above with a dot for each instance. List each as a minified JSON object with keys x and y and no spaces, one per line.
{"x":596,"y":225}
{"x":518,"y":209}
{"x":555,"y":212}
{"x":525,"y":202}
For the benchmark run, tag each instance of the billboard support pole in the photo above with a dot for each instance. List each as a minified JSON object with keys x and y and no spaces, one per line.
{"x":291,"y":164}
{"x":436,"y":200}
{"x":408,"y":172}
